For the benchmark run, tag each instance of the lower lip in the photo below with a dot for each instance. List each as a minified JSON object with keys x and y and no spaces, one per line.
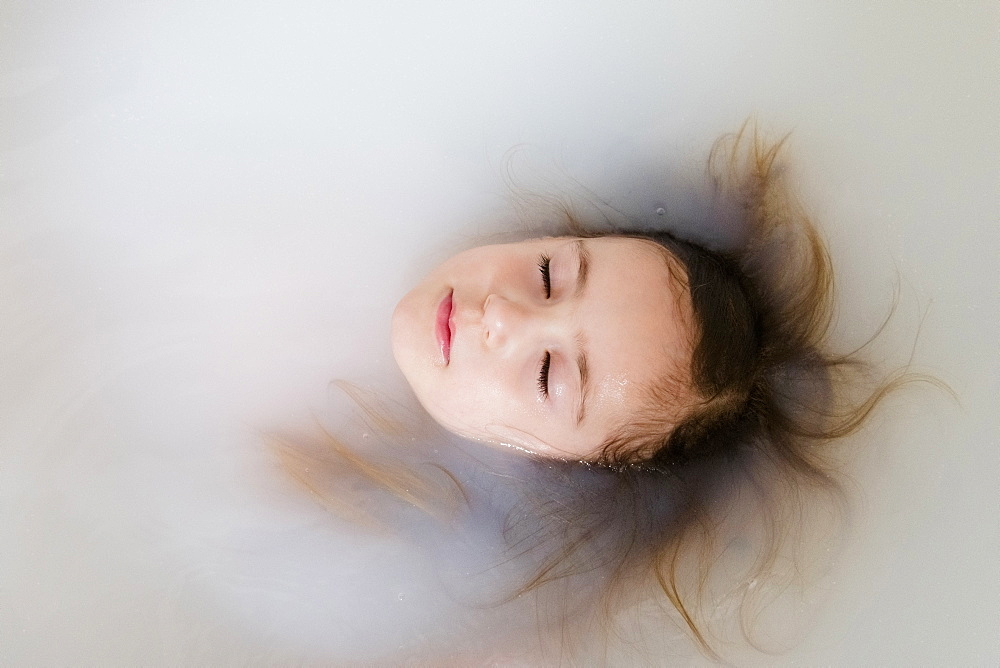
{"x":443,"y":328}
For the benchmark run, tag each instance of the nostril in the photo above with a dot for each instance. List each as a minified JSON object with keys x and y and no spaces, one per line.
{"x":487,"y":311}
{"x":489,"y":320}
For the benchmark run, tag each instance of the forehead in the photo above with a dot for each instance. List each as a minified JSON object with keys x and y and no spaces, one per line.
{"x":634,"y":318}
{"x":635,"y":313}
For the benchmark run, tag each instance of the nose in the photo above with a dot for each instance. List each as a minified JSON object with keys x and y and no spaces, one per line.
{"x":507,"y":322}
{"x":498,"y":319}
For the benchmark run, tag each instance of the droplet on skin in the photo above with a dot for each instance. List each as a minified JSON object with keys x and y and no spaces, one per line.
{"x":612,"y":389}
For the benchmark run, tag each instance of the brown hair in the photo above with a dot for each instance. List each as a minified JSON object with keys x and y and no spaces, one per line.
{"x":771,"y":397}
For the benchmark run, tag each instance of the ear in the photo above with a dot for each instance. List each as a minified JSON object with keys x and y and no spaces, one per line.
{"x":521,"y":440}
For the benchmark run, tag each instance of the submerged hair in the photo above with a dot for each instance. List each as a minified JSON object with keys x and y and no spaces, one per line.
{"x":668,"y":501}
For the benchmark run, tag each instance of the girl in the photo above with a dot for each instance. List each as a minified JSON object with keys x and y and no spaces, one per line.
{"x":680,"y":404}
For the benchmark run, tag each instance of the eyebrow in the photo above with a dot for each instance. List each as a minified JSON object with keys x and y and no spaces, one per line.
{"x":584,"y":268}
{"x":581,"y":360}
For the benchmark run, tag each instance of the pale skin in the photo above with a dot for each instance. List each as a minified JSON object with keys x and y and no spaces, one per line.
{"x":546,"y":345}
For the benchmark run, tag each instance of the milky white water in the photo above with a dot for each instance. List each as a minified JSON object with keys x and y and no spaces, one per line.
{"x":208,"y":210}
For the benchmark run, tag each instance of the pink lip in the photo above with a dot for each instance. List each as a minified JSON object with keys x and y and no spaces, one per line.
{"x":444,"y":327}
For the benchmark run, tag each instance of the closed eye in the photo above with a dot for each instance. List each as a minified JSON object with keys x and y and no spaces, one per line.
{"x":543,"y":266}
{"x":543,"y":375}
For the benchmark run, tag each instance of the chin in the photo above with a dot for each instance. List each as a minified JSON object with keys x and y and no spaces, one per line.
{"x":401,"y":341}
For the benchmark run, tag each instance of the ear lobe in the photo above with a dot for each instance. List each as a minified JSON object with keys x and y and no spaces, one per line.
{"x":516,"y":438}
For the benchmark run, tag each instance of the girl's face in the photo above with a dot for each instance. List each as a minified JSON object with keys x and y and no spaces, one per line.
{"x":548,"y":345}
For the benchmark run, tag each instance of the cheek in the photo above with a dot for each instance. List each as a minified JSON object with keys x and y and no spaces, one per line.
{"x":462,"y":417}
{"x":468,"y":404}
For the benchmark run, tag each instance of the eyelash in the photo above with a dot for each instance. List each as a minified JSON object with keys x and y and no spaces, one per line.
{"x":543,"y":266}
{"x":543,"y":375}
